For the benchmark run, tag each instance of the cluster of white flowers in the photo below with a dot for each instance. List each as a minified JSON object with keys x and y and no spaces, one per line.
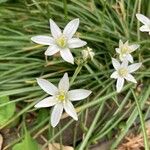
{"x":123,"y":70}
{"x":62,"y":41}
{"x":61,"y":97}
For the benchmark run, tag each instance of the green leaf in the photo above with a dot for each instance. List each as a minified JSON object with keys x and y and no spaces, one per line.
{"x":2,"y":1}
{"x":27,"y":143}
{"x":7,"y":111}
{"x":42,"y":114}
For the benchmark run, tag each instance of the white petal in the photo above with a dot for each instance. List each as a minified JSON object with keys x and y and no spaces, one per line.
{"x":115,"y":63}
{"x":129,"y":77}
{"x":71,"y":28}
{"x":145,"y":28}
{"x":129,"y":58}
{"x":126,"y":43}
{"x":114,"y":75}
{"x":79,"y":94}
{"x":44,"y":40}
{"x":64,"y":83}
{"x":75,"y":43}
{"x":47,"y":86}
{"x":67,"y":56}
{"x":56,"y":114}
{"x":52,"y":50}
{"x":134,"y":67}
{"x":124,"y":63}
{"x":121,"y":57}
{"x":133,"y":47}
{"x":120,"y":83}
{"x":55,"y":30}
{"x":69,"y":108}
{"x":47,"y":102}
{"x":117,"y":50}
{"x":120,"y":43}
{"x":143,"y":19}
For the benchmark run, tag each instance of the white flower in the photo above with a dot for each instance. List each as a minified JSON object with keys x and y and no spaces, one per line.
{"x":61,"y":41}
{"x":145,"y":21}
{"x":61,"y":98}
{"x":88,"y":53}
{"x":123,"y":71}
{"x":125,"y":49}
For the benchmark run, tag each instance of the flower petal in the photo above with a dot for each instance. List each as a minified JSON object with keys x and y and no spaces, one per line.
{"x":52,"y":50}
{"x":64,"y":83}
{"x":66,"y":55}
{"x":133,"y":47}
{"x":42,"y":39}
{"x":47,"y":86}
{"x":134,"y":67}
{"x":69,"y":108}
{"x":143,"y":19}
{"x":120,"y":83}
{"x":120,"y":43}
{"x":114,"y":75}
{"x":115,"y":63}
{"x":79,"y":94}
{"x":56,"y":114}
{"x":145,"y":28}
{"x":75,"y":43}
{"x":124,"y":63}
{"x":47,"y":102}
{"x":117,"y":50}
{"x":71,"y":28}
{"x":55,"y":30}
{"x":129,"y":77}
{"x":129,"y":58}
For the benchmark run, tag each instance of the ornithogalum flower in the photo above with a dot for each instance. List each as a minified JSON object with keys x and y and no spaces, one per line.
{"x":145,"y":21}
{"x":61,"y":41}
{"x":88,"y":53}
{"x":125,"y":49}
{"x":61,"y":98}
{"x":123,"y":71}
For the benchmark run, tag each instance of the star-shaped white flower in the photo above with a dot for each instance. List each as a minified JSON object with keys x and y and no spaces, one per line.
{"x":125,"y":49}
{"x":61,"y":98}
{"x":123,"y":71}
{"x":61,"y":41}
{"x":88,"y":53}
{"x":145,"y":21}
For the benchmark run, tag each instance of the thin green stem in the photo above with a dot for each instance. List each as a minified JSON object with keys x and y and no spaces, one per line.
{"x":90,"y":130}
{"x":142,"y":122}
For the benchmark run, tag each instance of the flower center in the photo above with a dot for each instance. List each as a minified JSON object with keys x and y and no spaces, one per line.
{"x":61,"y":41}
{"x":123,"y":72}
{"x":124,"y":50}
{"x":61,"y":96}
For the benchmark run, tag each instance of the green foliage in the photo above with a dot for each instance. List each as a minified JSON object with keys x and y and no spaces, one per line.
{"x":102,"y":24}
{"x":27,"y":143}
{"x":6,"y":112}
{"x":42,"y":114}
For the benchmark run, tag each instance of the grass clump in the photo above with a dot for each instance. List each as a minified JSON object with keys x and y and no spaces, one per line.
{"x":102,"y":24}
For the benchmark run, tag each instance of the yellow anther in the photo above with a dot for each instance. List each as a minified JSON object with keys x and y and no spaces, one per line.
{"x":61,"y":96}
{"x":61,"y":41}
{"x":123,"y":72}
{"x":125,"y":49}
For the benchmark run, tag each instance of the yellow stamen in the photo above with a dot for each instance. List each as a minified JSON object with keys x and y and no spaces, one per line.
{"x":125,"y":49}
{"x":61,"y":41}
{"x":61,"y":96}
{"x":123,"y":72}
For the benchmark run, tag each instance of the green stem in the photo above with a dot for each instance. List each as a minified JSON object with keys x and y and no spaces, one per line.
{"x":142,"y":122}
{"x":75,"y":74}
{"x":65,"y":9}
{"x":88,"y":135}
